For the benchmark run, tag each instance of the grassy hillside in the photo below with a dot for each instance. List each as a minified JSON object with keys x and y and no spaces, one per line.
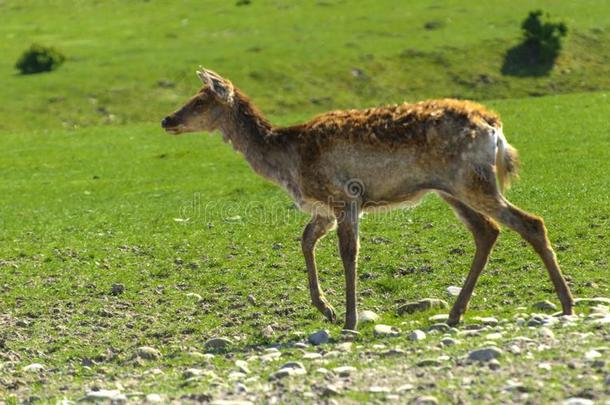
{"x":133,"y":61}
{"x":166,"y":216}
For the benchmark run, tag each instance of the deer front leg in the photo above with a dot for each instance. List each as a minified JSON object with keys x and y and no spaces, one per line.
{"x":314,"y":231}
{"x":348,"y":247}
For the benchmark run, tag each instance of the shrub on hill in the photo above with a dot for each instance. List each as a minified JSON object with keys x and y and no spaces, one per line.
{"x":39,"y":59}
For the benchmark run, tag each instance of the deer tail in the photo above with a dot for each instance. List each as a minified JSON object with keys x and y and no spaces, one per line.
{"x":507,"y":161}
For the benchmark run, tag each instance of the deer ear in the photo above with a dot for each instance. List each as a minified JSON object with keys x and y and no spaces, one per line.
{"x":221,"y":87}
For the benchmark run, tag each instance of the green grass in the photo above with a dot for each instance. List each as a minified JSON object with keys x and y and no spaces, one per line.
{"x":84,"y":209}
{"x":294,"y":58}
{"x":93,"y":193}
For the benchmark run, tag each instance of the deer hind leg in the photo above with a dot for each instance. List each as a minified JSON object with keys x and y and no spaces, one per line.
{"x":483,"y":196}
{"x":314,"y":231}
{"x":532,"y":229}
{"x":485,"y":232}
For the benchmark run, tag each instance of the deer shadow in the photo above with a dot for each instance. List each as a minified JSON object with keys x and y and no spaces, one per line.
{"x":529,"y":59}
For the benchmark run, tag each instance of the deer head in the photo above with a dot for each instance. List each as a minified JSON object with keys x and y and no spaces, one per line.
{"x":205,"y":109}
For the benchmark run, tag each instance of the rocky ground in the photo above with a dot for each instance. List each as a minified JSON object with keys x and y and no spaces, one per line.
{"x":536,"y":357}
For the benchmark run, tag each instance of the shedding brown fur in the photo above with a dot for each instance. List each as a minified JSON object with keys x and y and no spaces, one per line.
{"x":344,"y":163}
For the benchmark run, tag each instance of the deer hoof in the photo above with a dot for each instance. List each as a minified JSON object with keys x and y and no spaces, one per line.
{"x":330,"y":314}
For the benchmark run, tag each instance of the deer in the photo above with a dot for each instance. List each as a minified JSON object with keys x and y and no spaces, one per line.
{"x":342,"y":164}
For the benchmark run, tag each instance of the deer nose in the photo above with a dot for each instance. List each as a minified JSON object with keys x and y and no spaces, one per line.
{"x":167,"y":122}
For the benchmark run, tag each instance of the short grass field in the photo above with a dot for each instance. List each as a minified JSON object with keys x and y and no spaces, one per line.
{"x":114,"y":235}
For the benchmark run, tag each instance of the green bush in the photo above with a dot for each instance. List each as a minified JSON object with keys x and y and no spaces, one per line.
{"x":539,"y":31}
{"x":39,"y":59}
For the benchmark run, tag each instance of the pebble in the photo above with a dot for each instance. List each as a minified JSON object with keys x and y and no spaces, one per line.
{"x":367,"y":316}
{"x":607,"y":382}
{"x":386,"y":331}
{"x":251,"y":299}
{"x":319,"y":337}
{"x":429,"y":363}
{"x":393,"y":352}
{"x":270,"y":356}
{"x":441,"y":327}
{"x":426,"y":400}
{"x":148,"y":353}
{"x":195,"y":372}
{"x":301,"y":345}
{"x":405,"y":388}
{"x":577,"y":401}
{"x":546,"y":333}
{"x":242,"y":366}
{"x":296,"y":367}
{"x":195,"y":297}
{"x":417,"y":335}
{"x":485,"y":354}
{"x":329,"y":390}
{"x":592,"y":355}
{"x":105,"y":395}
{"x":154,"y":398}
{"x":439,"y":318}
{"x":453,"y":291}
{"x":117,"y":289}
{"x":312,"y":356}
{"x":236,"y":375}
{"x":422,"y":305}
{"x":349,"y":335}
{"x":546,"y":306}
{"x":591,"y":301}
{"x":449,"y":341}
{"x":494,"y":364}
{"x":344,"y":371}
{"x":494,"y":336}
{"x":218,"y":343}
{"x":267,"y":332}
{"x":487,"y":320}
{"x":34,"y":368}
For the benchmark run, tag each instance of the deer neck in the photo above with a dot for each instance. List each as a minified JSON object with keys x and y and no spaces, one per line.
{"x":253,"y":136}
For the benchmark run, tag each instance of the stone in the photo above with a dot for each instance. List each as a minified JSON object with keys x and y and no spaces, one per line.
{"x":117,"y":289}
{"x":453,"y":291}
{"x":251,"y":299}
{"x":591,"y":301}
{"x":344,"y":371}
{"x":319,"y":337}
{"x":439,"y":318}
{"x":153,"y":398}
{"x":367,"y":316}
{"x":578,"y":401}
{"x":449,"y":341}
{"x":194,"y":296}
{"x":484,"y":354}
{"x":218,"y":343}
{"x":546,"y":333}
{"x":386,"y":331}
{"x":349,"y":335}
{"x":426,"y":400}
{"x":494,"y":364}
{"x":34,"y":368}
{"x":546,"y":306}
{"x":148,"y":353}
{"x":193,"y":372}
{"x":592,"y":355}
{"x":114,"y":396}
{"x":330,"y":390}
{"x":405,"y":387}
{"x":422,"y":305}
{"x":294,"y":368}
{"x":440,"y":327}
{"x":417,"y":335}
{"x":242,"y":365}
{"x":267,"y":332}
{"x":486,"y":320}
{"x":429,"y":363}
{"x":312,"y":356}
